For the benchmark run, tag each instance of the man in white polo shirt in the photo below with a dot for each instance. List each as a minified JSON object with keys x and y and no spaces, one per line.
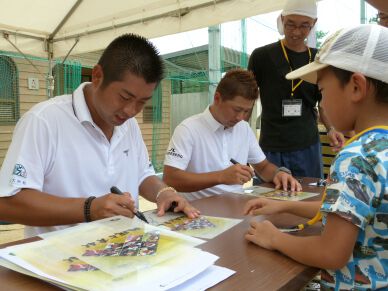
{"x":209,"y":152}
{"x":67,"y":152}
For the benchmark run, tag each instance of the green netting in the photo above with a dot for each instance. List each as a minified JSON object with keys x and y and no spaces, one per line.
{"x":19,"y":56}
{"x":9,"y":91}
{"x":67,"y":76}
{"x":234,"y":45}
{"x":189,"y":82}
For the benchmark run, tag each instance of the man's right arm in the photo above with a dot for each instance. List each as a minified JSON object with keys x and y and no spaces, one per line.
{"x":32,"y":207}
{"x":35,"y":208}
{"x":184,"y":181}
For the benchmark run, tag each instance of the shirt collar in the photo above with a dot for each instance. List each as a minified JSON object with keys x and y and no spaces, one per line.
{"x":213,"y":123}
{"x":81,"y":109}
{"x":373,"y":128}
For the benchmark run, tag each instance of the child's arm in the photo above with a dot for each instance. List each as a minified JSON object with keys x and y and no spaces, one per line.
{"x":261,"y":206}
{"x":330,"y":250}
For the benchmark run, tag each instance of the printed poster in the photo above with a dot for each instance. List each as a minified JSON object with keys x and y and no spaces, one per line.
{"x":259,"y":191}
{"x":206,"y":227}
{"x":130,"y":244}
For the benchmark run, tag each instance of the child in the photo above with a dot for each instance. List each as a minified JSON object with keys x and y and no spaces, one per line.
{"x":351,"y":70}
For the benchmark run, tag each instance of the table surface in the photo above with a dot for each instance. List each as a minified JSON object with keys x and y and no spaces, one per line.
{"x":256,"y":268}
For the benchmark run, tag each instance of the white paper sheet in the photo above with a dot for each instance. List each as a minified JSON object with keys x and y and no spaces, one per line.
{"x":206,"y":279}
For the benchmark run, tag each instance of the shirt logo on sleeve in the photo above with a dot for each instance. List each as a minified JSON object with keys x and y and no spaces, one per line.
{"x":173,"y":153}
{"x":19,"y":176}
{"x":20,"y":171}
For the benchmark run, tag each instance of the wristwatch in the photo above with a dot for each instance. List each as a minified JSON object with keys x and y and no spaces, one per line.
{"x":330,"y":129}
{"x":283,"y":169}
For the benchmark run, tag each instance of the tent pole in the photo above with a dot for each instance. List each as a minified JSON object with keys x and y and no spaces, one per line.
{"x":50,"y":77}
{"x":71,"y":49}
{"x":214,"y":59}
{"x":6,"y":37}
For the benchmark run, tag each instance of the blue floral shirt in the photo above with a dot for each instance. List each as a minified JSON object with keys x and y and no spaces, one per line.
{"x":358,"y":192}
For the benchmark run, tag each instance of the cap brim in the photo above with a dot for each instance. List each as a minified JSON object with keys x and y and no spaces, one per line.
{"x":307,"y":73}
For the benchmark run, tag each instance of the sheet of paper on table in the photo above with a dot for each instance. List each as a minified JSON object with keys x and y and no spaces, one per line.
{"x":205,"y":226}
{"x":112,"y":254}
{"x":259,"y":191}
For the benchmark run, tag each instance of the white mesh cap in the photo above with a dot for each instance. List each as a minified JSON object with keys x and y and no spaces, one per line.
{"x":360,"y":49}
{"x":297,"y":7}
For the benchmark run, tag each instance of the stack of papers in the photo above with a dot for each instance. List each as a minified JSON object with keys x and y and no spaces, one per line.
{"x":117,"y":253}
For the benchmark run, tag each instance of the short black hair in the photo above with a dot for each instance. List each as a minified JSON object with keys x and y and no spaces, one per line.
{"x":131,"y":53}
{"x":238,"y":82}
{"x":380,"y":87}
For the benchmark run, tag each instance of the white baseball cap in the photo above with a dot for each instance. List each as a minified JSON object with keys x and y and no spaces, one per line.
{"x":360,"y":49}
{"x":297,"y":7}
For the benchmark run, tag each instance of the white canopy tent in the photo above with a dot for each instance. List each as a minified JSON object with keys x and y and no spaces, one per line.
{"x":60,"y":26}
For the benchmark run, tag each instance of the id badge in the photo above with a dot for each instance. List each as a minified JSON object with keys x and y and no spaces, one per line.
{"x":292,"y":107}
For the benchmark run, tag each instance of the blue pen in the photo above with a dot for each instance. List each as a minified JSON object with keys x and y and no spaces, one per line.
{"x":138,"y":214}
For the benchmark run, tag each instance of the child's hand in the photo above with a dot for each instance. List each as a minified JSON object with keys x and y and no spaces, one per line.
{"x":261,"y":234}
{"x":260,"y":206}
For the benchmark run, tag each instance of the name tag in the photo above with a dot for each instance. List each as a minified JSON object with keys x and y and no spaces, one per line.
{"x":292,"y":107}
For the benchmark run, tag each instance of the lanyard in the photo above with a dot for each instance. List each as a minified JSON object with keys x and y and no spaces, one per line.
{"x":315,"y":219}
{"x":293,"y":88}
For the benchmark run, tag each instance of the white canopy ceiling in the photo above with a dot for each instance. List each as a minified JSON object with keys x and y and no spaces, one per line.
{"x":29,"y":24}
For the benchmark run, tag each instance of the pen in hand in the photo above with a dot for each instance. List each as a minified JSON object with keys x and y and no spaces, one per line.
{"x":138,"y":214}
{"x":234,"y":162}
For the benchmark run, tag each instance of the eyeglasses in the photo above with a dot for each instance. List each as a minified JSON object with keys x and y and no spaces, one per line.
{"x":303,"y":28}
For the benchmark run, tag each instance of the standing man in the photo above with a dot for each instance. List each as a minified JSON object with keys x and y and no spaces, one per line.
{"x":208,"y":152}
{"x":68,"y":151}
{"x":289,"y":134}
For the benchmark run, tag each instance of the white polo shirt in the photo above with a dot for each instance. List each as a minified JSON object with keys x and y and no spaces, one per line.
{"x":200,"y":144}
{"x":58,"y":149}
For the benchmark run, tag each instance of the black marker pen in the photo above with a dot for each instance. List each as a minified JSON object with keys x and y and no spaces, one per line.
{"x":234,"y":162}
{"x":138,"y":214}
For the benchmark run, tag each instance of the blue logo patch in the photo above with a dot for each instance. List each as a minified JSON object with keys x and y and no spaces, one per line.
{"x":20,"y":171}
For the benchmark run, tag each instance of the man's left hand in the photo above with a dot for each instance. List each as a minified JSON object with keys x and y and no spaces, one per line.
{"x":286,"y":182}
{"x":166,"y":199}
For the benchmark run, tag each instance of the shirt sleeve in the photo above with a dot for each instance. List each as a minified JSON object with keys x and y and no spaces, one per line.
{"x":29,"y":157}
{"x":355,"y":189}
{"x":180,"y":148}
